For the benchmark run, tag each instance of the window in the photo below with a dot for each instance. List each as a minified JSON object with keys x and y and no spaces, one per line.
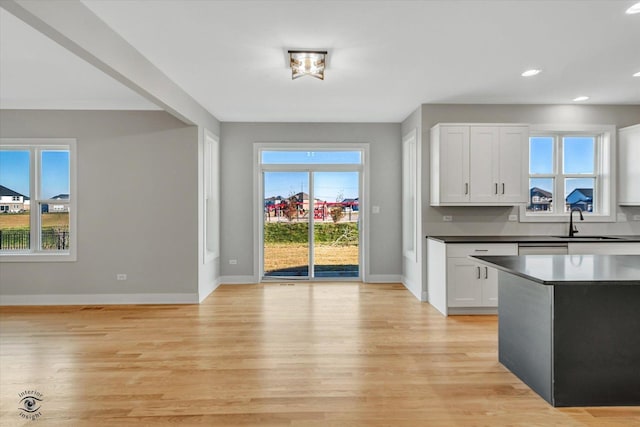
{"x":570,"y":169}
{"x":37,"y":177}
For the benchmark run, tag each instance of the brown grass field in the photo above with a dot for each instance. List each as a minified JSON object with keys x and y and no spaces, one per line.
{"x":281,"y":255}
{"x":21,"y":221}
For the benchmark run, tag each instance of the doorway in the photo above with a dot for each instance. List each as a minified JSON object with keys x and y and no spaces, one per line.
{"x":311,"y":214}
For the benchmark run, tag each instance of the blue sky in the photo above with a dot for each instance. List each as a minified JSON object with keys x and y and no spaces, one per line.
{"x":14,"y":172}
{"x":328,"y":185}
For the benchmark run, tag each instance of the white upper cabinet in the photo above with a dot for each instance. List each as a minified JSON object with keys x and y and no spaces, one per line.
{"x":629,"y":166}
{"x":476,"y":164}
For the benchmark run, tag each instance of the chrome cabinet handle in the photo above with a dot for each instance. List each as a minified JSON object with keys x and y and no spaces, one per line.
{"x":466,"y":188}
{"x":503,"y":188}
{"x":481,"y":250}
{"x":478,"y":272}
{"x":496,"y":188}
{"x":486,"y":272}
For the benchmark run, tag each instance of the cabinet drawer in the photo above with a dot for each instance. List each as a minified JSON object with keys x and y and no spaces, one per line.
{"x":464,"y":250}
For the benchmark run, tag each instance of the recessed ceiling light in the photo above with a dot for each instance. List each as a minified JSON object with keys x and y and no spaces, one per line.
{"x":634,"y":9}
{"x":581,"y":98}
{"x":637,"y":74}
{"x":530,"y":73}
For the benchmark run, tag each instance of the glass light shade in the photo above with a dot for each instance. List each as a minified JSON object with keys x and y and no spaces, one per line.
{"x":307,"y":63}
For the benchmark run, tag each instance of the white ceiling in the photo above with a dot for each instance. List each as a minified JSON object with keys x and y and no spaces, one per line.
{"x":386,"y":57}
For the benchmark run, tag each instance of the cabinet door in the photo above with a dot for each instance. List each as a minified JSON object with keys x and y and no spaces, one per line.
{"x":489,"y":286}
{"x":513,"y":164}
{"x":484,"y":146}
{"x":464,"y":288}
{"x":454,"y":164}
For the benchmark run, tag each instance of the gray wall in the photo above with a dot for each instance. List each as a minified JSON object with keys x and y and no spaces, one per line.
{"x":137,"y":204}
{"x":237,"y":217}
{"x":494,"y":220}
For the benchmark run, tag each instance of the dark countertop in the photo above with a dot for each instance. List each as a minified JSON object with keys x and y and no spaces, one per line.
{"x":570,"y":269}
{"x":534,"y":239}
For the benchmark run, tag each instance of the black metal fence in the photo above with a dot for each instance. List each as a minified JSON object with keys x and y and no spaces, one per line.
{"x":11,"y":240}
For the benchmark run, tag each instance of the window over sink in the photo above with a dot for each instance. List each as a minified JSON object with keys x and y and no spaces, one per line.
{"x":570,"y":167}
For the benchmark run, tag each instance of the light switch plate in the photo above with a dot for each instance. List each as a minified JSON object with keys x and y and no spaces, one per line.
{"x":447,"y":218}
{"x":375,"y":209}
{"x":622,"y":217}
{"x":513,"y":218}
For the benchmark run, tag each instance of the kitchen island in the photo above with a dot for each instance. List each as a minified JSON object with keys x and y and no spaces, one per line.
{"x":569,"y":326}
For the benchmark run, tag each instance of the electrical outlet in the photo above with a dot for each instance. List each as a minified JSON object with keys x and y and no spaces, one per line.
{"x":447,"y":218}
{"x":375,"y":209}
{"x":121,"y":276}
{"x":636,"y":217}
{"x":513,"y":217}
{"x":233,"y":261}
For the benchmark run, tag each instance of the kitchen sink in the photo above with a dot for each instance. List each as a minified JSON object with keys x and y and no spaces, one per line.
{"x":588,"y":237}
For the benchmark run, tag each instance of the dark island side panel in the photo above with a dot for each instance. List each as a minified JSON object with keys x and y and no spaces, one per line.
{"x":597,"y":345}
{"x":524,"y":331}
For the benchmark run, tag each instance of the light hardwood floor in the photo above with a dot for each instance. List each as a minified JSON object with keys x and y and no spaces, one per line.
{"x":306,"y":354}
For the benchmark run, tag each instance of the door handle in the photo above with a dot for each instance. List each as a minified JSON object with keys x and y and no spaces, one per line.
{"x":478,"y":272}
{"x":486,"y":272}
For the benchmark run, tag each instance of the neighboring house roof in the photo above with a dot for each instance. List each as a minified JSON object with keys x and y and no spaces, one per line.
{"x":541,"y":192}
{"x":580,"y":195}
{"x":4,"y":191}
{"x":60,"y":197}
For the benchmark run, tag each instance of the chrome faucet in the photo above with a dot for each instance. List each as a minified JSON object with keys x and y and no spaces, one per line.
{"x":572,"y":228}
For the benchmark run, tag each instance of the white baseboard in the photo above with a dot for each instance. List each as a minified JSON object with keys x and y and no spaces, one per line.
{"x":203,"y":294}
{"x":239,"y":280}
{"x":384,"y":278}
{"x":98,"y":299}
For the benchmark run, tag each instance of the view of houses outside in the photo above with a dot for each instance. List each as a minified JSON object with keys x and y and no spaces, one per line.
{"x":17,"y":207}
{"x":578,"y":154}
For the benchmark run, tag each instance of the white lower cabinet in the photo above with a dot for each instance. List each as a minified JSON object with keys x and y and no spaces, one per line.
{"x":471,"y":284}
{"x":459,"y":285}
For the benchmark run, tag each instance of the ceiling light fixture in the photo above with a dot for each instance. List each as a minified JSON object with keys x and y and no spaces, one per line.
{"x":581,"y":98}
{"x":634,"y":9}
{"x":307,"y":63}
{"x":530,"y":73}
{"x":637,"y":74}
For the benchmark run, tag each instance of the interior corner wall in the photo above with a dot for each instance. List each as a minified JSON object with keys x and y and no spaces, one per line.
{"x":137,"y":209}
{"x":238,"y":239}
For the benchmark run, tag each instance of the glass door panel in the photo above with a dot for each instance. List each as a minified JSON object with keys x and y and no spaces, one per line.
{"x":286,"y":224}
{"x":335,"y":224}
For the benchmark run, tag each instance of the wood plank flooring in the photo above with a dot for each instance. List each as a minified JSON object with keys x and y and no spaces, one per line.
{"x":319,"y":354}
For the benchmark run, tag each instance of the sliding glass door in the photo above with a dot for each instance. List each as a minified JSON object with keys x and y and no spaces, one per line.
{"x":311,"y":215}
{"x":336,"y":227}
{"x":286,"y":224}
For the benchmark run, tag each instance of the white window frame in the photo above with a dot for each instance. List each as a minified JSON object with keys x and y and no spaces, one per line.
{"x":605,"y":172}
{"x":35,"y":146}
